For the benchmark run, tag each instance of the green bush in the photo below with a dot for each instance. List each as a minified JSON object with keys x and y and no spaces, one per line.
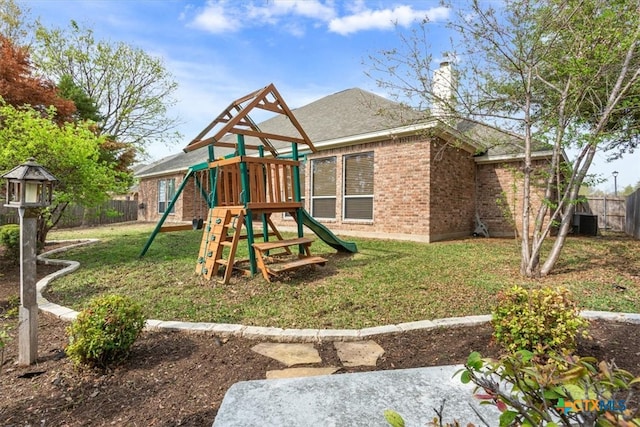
{"x":564,"y":391}
{"x":4,"y":339}
{"x":11,"y":307}
{"x":104,"y":331}
{"x":10,"y":239}
{"x":540,"y":320}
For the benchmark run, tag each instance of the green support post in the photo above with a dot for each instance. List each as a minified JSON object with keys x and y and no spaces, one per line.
{"x":200,"y":186}
{"x":296,"y":194}
{"x":212,"y":198}
{"x":156,"y":230}
{"x":244,"y":179}
{"x":265,"y":226}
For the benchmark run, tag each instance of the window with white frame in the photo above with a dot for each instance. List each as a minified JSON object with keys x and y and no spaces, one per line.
{"x":358,"y":186}
{"x":166,"y":191}
{"x":323,"y":188}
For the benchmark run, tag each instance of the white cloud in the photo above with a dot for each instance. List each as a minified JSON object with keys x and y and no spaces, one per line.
{"x":273,"y":10}
{"x":215,"y":18}
{"x":384,"y":19}
{"x":356,"y":7}
{"x":219,"y":16}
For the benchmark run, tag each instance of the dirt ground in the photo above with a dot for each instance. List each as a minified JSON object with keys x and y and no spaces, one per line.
{"x":179,"y":379}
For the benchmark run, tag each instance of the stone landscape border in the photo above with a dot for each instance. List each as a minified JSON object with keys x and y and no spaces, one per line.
{"x":269,"y":333}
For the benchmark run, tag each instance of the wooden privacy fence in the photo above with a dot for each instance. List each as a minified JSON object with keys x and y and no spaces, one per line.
{"x":111,"y":212}
{"x":632,"y":223}
{"x":611,"y":211}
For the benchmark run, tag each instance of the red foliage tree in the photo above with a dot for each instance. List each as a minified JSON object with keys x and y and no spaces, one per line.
{"x":20,"y":86}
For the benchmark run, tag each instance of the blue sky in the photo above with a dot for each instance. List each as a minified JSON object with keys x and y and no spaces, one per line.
{"x":220,"y":50}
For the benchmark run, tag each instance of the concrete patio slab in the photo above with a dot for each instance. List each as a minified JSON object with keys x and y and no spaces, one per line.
{"x":353,"y":400}
{"x":300,"y":372}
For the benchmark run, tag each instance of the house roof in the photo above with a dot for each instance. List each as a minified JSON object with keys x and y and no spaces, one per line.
{"x":347,"y":113}
{"x":356,"y":116}
{"x":492,"y":142}
{"x":344,"y":114}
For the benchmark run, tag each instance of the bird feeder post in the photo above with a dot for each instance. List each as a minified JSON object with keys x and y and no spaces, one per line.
{"x":29,"y":187}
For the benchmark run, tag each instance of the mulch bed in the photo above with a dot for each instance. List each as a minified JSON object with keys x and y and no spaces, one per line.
{"x":179,"y":379}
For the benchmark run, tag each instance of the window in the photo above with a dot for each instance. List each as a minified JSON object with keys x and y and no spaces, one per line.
{"x":358,"y":186}
{"x":323,"y":188}
{"x":166,"y":191}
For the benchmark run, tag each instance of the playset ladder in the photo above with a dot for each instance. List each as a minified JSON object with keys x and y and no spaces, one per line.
{"x":223,"y":230}
{"x":216,"y":237}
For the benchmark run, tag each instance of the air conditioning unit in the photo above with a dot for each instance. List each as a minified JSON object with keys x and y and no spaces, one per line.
{"x":585,"y":224}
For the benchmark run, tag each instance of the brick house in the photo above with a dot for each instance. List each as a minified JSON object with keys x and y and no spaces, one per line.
{"x":379,"y":171}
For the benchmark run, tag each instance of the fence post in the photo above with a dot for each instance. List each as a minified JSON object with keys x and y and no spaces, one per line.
{"x":605,"y":213}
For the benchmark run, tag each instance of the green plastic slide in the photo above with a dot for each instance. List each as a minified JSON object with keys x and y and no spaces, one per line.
{"x":327,"y":235}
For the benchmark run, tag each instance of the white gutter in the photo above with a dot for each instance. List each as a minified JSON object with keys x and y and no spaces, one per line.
{"x":163,"y":173}
{"x":368,"y":137}
{"x":510,"y":157}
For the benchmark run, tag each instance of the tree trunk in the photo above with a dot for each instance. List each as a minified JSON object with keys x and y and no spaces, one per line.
{"x":558,"y":243}
{"x":47,"y":219}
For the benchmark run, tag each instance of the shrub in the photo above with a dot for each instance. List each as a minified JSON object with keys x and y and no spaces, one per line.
{"x":540,"y":320}
{"x":11,"y":307}
{"x":570,"y":391}
{"x":4,"y":339}
{"x":10,"y":239}
{"x":104,"y":331}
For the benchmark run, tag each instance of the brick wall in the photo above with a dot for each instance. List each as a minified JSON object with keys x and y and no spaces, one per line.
{"x":401,"y":187}
{"x":148,"y":191}
{"x":499,"y":188}
{"x":423,"y":191}
{"x":452,"y":192}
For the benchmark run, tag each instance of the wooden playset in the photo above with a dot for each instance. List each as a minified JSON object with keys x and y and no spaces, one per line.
{"x":251,"y":188}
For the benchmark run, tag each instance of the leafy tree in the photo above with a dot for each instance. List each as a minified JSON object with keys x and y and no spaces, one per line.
{"x":86,"y":108}
{"x":19,"y":86}
{"x":627,"y":190}
{"x":589,"y":75}
{"x":564,"y":73}
{"x":14,"y":21}
{"x":119,"y":154}
{"x":70,"y":151}
{"x":132,"y":89}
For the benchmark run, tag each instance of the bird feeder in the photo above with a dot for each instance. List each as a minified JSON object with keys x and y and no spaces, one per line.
{"x":29,"y":185}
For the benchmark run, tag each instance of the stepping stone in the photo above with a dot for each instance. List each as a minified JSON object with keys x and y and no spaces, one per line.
{"x":300,"y":372}
{"x":289,"y":354}
{"x":358,"y":353}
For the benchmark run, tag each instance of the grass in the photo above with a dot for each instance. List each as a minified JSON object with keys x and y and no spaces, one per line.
{"x":385,"y":282}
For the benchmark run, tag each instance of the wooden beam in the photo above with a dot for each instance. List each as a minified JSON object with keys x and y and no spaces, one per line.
{"x":271,"y":161}
{"x":260,"y":134}
{"x":232,"y":145}
{"x":257,"y":96}
{"x":293,"y":119}
{"x":271,"y":106}
{"x":179,"y":227}
{"x":230,"y":122}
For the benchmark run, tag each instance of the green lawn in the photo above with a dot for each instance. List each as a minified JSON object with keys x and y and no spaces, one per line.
{"x":385,"y":282}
